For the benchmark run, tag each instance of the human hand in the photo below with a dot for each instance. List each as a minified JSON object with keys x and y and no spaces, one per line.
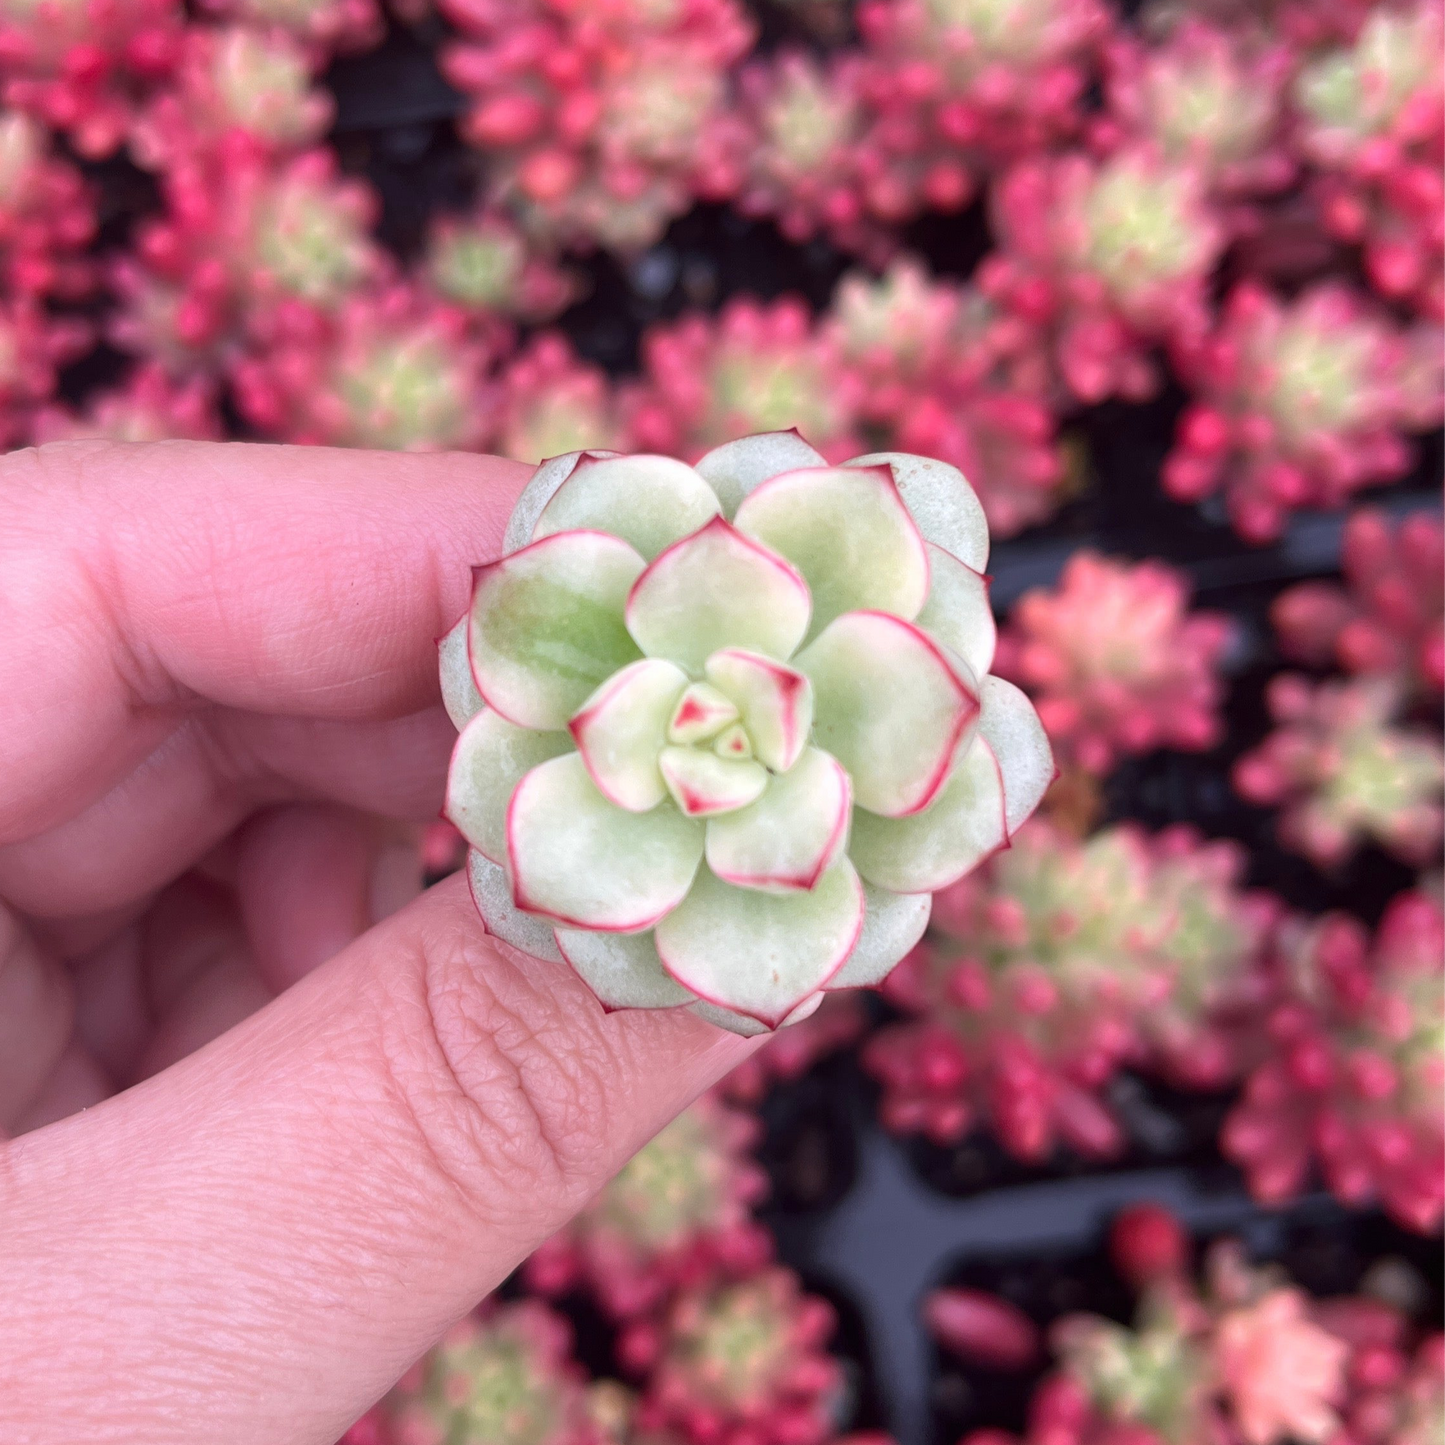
{"x":307,"y":1144}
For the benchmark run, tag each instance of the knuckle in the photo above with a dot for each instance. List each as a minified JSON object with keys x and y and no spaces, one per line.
{"x":508,"y":1092}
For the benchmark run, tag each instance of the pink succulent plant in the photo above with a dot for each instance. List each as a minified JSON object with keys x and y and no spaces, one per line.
{"x":552,"y":403}
{"x":1356,"y":1066}
{"x":34,"y":345}
{"x":1055,"y":966}
{"x":941,"y":370}
{"x":678,"y":1211}
{"x":1111,"y":256}
{"x":595,"y":119}
{"x":47,"y":215}
{"x":997,"y":80}
{"x":1116,"y":662}
{"x":234,"y":87}
{"x":82,"y":66}
{"x":739,"y":1361}
{"x":1344,"y":772}
{"x":1388,"y":620}
{"x":754,"y":367}
{"x":273,"y":249}
{"x":388,"y":370}
{"x":1205,"y":95}
{"x":325,"y":27}
{"x":147,"y":407}
{"x":1373,"y":122}
{"x":1300,"y":404}
{"x":504,"y":1375}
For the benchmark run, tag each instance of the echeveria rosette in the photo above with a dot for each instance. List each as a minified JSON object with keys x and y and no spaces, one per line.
{"x":725,"y":729}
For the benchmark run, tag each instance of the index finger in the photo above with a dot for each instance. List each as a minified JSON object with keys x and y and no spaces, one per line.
{"x":140,"y":582}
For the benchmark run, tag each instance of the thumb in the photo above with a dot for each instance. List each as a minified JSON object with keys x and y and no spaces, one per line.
{"x":251,"y":1246}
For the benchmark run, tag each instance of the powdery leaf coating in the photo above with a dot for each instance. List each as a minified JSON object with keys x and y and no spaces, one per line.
{"x":737,"y":468}
{"x":491,"y":757}
{"x":794,"y":942}
{"x":717,"y":588}
{"x":944,"y":507}
{"x":890,"y":707}
{"x":621,"y":729}
{"x":547,"y":625}
{"x":791,"y":835}
{"x":680,"y":813}
{"x":849,"y":533}
{"x":580,"y":860}
{"x":650,"y":502}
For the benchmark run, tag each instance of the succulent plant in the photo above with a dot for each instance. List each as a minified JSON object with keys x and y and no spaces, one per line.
{"x":504,"y":1375}
{"x":33,"y":346}
{"x":725,"y":728}
{"x":273,"y":252}
{"x":742,"y":1360}
{"x":80,"y":66}
{"x":1389,"y":618}
{"x":552,"y":403}
{"x":1355,"y":1066}
{"x":1111,"y":256}
{"x":47,"y":215}
{"x":1206,"y":95}
{"x":324,"y":26}
{"x":752,"y":368}
{"x":147,"y":407}
{"x":1116,"y":662}
{"x":596,"y":124}
{"x":1001,"y":78}
{"x":1055,"y":966}
{"x":1300,"y":404}
{"x":1344,"y":772}
{"x":483,"y":263}
{"x":679,"y":1209}
{"x":389,"y":370}
{"x":233,"y":85}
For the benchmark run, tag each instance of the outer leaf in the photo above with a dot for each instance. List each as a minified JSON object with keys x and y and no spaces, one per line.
{"x":492,"y":894}
{"x":890,"y":706}
{"x":750,"y":1028}
{"x":946,"y":509}
{"x":648,"y":501}
{"x":490,"y":758}
{"x":622,"y":969}
{"x":928,"y":851}
{"x":537,"y":493}
{"x":459,"y":690}
{"x":576,"y":858}
{"x":717,"y":588}
{"x":957,"y":612}
{"x":776,"y":703}
{"x":892,"y":924}
{"x":738,"y":467}
{"x":849,"y":534}
{"x":702,"y":713}
{"x":703,"y":784}
{"x":787,"y":839}
{"x":761,"y":954}
{"x":623,"y":726}
{"x":546,"y":625}
{"x":1012,"y":729}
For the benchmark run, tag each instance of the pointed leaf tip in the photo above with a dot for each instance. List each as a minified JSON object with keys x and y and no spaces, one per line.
{"x":648,"y":501}
{"x":761,"y":954}
{"x":849,"y":533}
{"x":586,"y":863}
{"x":622,"y":728}
{"x":717,"y":588}
{"x":891,"y":706}
{"x":738,"y":467}
{"x":546,"y":625}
